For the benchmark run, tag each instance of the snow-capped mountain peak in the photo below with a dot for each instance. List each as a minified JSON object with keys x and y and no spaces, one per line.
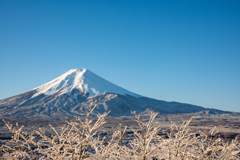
{"x":72,"y":94}
{"x":80,"y":81}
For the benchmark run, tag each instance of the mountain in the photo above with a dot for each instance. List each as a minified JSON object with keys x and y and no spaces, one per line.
{"x":72,"y":93}
{"x":77,"y":82}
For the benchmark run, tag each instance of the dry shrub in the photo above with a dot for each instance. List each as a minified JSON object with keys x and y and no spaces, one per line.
{"x":79,"y":140}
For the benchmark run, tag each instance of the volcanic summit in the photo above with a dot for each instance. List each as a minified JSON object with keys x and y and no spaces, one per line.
{"x":72,"y":93}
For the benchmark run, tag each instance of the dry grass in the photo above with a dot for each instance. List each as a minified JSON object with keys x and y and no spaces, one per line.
{"x":80,"y":140}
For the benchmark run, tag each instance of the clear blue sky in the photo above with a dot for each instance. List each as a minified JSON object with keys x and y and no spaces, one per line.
{"x":184,"y":51}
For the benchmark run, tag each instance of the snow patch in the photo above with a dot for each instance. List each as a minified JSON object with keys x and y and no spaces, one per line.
{"x":83,"y":80}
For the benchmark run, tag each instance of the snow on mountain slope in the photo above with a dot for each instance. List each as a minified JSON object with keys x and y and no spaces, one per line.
{"x":72,"y":94}
{"x":80,"y":81}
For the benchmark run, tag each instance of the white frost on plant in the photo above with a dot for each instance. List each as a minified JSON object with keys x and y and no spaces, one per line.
{"x":83,"y":80}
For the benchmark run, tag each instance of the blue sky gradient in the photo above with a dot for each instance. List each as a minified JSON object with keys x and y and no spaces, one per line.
{"x":184,"y":51}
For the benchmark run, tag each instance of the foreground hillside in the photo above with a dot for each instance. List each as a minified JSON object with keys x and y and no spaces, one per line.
{"x":81,"y":140}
